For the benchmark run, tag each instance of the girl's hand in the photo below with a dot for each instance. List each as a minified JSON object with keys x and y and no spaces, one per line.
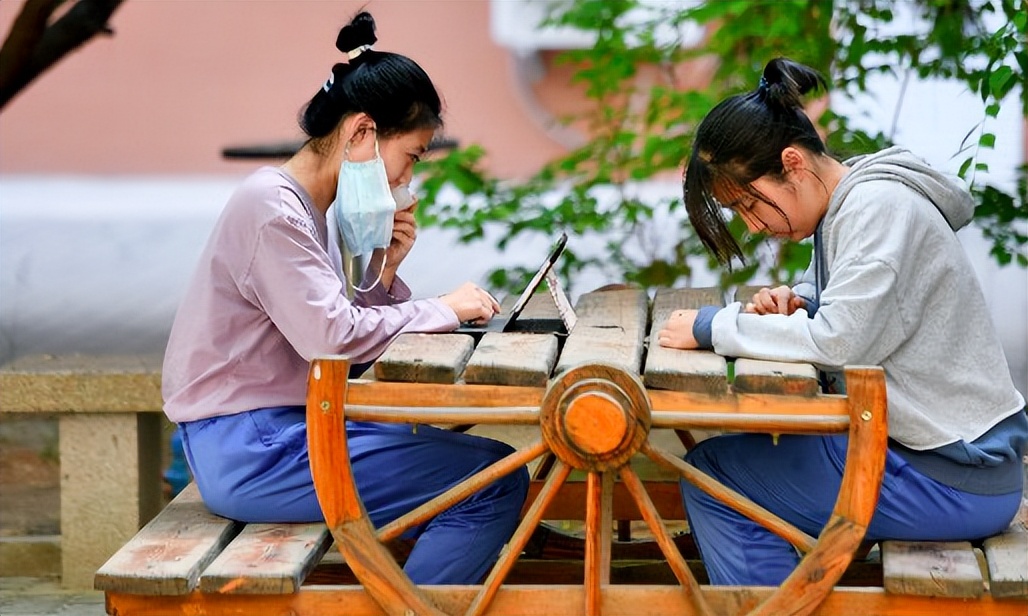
{"x":677,"y":332}
{"x":405,"y":232}
{"x":472,"y":303}
{"x":779,"y":300}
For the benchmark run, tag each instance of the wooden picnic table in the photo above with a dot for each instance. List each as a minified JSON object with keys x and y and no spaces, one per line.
{"x":594,"y":398}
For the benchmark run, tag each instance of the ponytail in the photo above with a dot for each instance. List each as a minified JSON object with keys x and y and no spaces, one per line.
{"x":784,"y":83}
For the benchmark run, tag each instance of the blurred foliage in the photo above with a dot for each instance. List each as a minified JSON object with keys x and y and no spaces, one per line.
{"x":641,"y":129}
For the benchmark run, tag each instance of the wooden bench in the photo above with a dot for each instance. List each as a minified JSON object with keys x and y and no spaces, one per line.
{"x":109,"y":415}
{"x":997,"y":567}
{"x":189,"y":561}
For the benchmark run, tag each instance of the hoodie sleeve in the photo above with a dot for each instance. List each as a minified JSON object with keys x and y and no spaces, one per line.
{"x":806,"y":288}
{"x":860,"y":319}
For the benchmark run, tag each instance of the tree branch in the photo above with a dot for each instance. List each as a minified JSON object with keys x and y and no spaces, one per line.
{"x":33,"y":46}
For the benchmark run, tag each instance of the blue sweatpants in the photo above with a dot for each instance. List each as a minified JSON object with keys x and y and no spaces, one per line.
{"x":255,"y":467}
{"x":798,"y":479}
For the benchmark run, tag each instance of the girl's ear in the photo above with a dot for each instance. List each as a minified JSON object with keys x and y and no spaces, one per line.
{"x":357,"y":137}
{"x":792,"y":160}
{"x":357,"y":128}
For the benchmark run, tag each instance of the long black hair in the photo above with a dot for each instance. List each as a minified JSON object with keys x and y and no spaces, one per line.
{"x":742,"y":139}
{"x":391,"y":88}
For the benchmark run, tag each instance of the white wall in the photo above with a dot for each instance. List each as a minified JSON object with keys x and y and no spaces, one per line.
{"x":98,"y":264}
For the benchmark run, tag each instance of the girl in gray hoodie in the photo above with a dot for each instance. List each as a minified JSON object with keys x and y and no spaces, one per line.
{"x":890,"y":285}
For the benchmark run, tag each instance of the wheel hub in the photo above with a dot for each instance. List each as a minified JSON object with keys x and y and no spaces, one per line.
{"x":595,"y":417}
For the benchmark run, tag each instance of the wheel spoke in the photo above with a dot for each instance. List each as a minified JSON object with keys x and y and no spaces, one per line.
{"x":462,"y":490}
{"x":517,"y":542}
{"x":799,"y":539}
{"x":606,"y":526}
{"x":599,"y":507}
{"x":667,"y":545}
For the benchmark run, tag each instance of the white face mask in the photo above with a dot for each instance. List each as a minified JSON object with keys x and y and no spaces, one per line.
{"x":364,"y":207}
{"x":364,"y":204}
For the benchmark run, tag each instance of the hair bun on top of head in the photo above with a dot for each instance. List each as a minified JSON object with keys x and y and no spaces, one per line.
{"x":357,"y":36}
{"x":784,"y":82}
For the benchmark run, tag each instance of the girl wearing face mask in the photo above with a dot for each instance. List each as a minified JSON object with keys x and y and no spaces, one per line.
{"x":889,"y":285}
{"x":270,"y":294}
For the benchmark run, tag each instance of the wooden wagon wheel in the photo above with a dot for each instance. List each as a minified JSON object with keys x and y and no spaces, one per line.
{"x":594,"y":418}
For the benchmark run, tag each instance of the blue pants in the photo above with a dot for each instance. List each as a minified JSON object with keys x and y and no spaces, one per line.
{"x":255,"y":467}
{"x":798,"y":479}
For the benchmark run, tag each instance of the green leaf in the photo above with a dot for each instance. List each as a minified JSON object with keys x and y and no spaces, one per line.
{"x":999,"y":79}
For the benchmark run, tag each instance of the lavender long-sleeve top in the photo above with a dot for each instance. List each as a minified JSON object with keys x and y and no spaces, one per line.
{"x":266,"y":298}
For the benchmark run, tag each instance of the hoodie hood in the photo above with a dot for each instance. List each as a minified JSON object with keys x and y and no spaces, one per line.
{"x":948,"y":195}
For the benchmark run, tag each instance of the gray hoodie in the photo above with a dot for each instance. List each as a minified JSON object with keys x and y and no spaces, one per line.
{"x":900,"y":293}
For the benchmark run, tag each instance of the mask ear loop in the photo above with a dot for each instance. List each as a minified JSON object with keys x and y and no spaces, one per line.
{"x":381,"y":270}
{"x":378,"y":279}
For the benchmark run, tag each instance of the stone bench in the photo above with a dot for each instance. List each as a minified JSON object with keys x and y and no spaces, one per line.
{"x":109,"y":414}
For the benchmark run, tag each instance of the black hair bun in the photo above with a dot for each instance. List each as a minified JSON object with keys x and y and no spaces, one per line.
{"x":360,"y":31}
{"x":784,"y":82}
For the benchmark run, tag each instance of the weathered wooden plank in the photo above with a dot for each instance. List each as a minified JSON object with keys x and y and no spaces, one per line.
{"x":1007,"y":556}
{"x":681,"y":370}
{"x":267,"y":559}
{"x":775,"y":377}
{"x":425,"y":358}
{"x":512,"y":359}
{"x":772,"y":377}
{"x":932,"y":569}
{"x":610,"y":330}
{"x":756,"y":376}
{"x":167,"y":556}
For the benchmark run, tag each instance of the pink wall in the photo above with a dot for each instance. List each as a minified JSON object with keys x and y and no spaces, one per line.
{"x":181,"y":80}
